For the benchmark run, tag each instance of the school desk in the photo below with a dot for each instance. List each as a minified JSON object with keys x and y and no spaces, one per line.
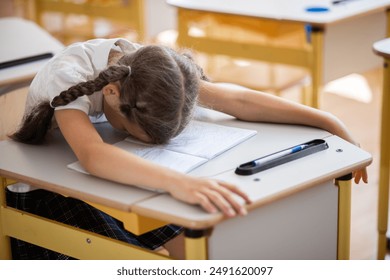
{"x":130,"y":14}
{"x":382,"y":48}
{"x":26,"y":47}
{"x":297,"y":213}
{"x":330,"y":43}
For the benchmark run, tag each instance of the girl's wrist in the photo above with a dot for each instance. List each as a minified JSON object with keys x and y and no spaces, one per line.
{"x":172,"y":180}
{"x":337,"y":127}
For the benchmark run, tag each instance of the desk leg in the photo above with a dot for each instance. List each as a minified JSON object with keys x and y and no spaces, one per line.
{"x":317,"y":35}
{"x":344,"y":218}
{"x":384,"y":164}
{"x":388,"y":23}
{"x":5,"y":244}
{"x":195,"y":242}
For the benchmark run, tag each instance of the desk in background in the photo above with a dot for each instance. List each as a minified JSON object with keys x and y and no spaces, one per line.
{"x":75,"y":20}
{"x":22,"y":38}
{"x":297,"y":213}
{"x":382,"y":48}
{"x":123,"y":16}
{"x":329,"y":44}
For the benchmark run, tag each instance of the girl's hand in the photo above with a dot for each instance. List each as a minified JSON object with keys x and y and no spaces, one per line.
{"x":339,"y":129}
{"x":212,"y":195}
{"x":361,"y":175}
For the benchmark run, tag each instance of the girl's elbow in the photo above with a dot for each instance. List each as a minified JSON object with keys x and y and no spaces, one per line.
{"x":88,"y":160}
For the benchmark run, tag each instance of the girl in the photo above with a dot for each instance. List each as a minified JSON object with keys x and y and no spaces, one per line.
{"x":150,"y":92}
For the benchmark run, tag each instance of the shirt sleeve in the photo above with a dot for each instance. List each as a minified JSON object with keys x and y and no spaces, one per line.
{"x":68,"y":72}
{"x":69,"y":68}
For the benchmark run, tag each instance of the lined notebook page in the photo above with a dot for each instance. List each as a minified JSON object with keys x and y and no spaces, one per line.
{"x":198,"y":143}
{"x":206,"y":140}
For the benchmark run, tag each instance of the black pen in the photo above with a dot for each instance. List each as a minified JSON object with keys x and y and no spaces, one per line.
{"x":24,"y":60}
{"x":336,"y":2}
{"x":281,"y":157}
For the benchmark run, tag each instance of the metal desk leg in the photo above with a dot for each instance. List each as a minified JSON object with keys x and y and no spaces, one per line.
{"x":384,"y":165}
{"x":5,"y":244}
{"x":317,"y":35}
{"x":344,"y":219}
{"x":195,"y":242}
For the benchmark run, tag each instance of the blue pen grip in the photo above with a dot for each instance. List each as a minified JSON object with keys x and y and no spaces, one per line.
{"x":296,"y":149}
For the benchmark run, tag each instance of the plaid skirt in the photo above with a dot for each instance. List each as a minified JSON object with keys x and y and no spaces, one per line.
{"x":78,"y":214}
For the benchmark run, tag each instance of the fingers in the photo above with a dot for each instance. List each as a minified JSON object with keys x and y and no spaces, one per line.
{"x":361,"y":175}
{"x":357,"y":177}
{"x":365,"y":175}
{"x":234,"y":205}
{"x":219,"y":201}
{"x":220,"y":195}
{"x":206,"y":203}
{"x":237,"y":191}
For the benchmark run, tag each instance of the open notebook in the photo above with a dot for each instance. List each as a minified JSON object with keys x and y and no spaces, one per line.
{"x":198,"y":143}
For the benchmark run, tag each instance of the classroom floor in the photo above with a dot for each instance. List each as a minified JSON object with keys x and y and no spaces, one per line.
{"x":359,"y":110}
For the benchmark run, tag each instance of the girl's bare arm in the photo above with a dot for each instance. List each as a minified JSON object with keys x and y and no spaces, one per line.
{"x":250,"y":105}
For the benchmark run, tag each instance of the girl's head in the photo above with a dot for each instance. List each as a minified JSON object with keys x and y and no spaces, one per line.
{"x":155,"y":90}
{"x":159,"y":92}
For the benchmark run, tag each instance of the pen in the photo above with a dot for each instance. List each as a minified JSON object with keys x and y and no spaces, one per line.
{"x":281,"y":157}
{"x":263,"y":160}
{"x":341,"y":1}
{"x":25,"y":60}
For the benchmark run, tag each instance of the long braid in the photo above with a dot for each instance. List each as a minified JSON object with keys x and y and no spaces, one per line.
{"x":111,"y":74}
{"x":37,"y":122}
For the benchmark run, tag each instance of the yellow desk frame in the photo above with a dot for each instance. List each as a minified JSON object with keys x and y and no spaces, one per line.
{"x":306,"y":55}
{"x":132,"y":13}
